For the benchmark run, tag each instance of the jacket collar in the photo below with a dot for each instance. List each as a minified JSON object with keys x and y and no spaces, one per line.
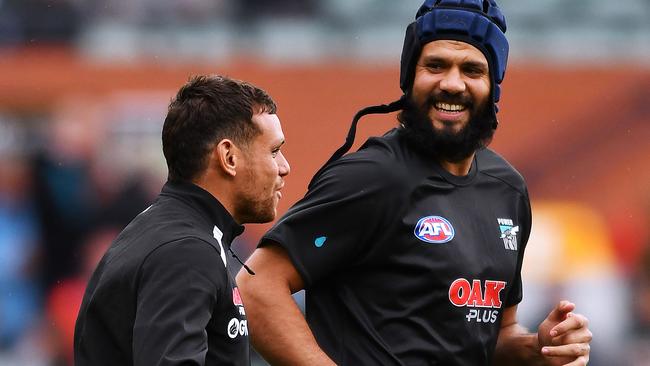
{"x":206,"y":205}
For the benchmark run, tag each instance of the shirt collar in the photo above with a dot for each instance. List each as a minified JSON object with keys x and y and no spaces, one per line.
{"x":206,"y":205}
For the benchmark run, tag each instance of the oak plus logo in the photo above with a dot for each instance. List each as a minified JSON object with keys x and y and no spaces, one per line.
{"x":434,"y":229}
{"x":482,"y":298}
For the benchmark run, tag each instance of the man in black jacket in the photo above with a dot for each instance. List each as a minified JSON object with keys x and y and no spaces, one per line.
{"x":163,"y":293}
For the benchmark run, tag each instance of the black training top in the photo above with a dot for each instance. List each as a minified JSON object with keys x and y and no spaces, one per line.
{"x":162,"y":294}
{"x":404,"y":263}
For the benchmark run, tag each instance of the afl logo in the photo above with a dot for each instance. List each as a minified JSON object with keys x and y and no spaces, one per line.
{"x":434,"y":229}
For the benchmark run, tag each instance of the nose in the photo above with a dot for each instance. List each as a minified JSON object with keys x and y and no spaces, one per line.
{"x":452,"y":81}
{"x":283,"y":165}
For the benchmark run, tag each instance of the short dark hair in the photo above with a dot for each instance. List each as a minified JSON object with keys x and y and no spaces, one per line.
{"x":206,"y":110}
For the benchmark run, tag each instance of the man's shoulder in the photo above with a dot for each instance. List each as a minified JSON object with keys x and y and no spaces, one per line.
{"x":496,"y":166}
{"x":378,"y":158}
{"x":159,"y":225}
{"x":388,"y":147}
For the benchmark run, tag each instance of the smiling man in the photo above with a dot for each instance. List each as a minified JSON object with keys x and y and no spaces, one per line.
{"x":410,"y":249}
{"x":164,"y":294}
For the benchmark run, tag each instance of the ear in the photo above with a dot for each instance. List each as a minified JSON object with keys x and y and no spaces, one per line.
{"x":226,"y":156}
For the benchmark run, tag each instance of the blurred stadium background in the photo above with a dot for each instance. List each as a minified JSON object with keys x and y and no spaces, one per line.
{"x":84,"y":86}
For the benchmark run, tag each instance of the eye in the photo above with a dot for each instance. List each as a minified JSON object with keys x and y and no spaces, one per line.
{"x":275,"y":152}
{"x":475,"y":71}
{"x":435,"y":66}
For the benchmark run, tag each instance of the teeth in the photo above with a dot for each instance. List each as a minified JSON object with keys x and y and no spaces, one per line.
{"x":450,"y":107}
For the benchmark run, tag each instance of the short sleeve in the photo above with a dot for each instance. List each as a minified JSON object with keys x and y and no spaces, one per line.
{"x":179,"y":285}
{"x":516,"y":293}
{"x":333,"y":225}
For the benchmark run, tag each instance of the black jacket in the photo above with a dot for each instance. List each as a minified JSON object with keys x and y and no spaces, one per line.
{"x":162,"y":294}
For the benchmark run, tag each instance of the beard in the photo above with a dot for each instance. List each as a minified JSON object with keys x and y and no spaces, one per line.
{"x":254,"y":211}
{"x":255,"y":202}
{"x":444,"y":144}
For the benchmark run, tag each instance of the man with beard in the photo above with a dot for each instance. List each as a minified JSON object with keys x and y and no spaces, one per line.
{"x":410,"y":249}
{"x":163,"y":293}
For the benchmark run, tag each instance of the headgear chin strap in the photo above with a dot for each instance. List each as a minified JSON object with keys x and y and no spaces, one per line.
{"x":349,"y":140}
{"x":477,"y":22}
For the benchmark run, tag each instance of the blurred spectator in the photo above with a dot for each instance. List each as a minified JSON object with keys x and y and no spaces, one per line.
{"x":64,"y":300}
{"x":131,"y":197}
{"x":65,"y":195}
{"x":76,"y":191}
{"x":128,"y":167}
{"x":19,"y":288}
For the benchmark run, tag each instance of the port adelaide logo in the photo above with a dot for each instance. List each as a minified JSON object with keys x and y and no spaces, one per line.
{"x":434,"y":229}
{"x":508,"y":233}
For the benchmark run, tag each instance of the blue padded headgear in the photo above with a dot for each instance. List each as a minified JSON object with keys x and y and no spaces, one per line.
{"x":477,"y":22}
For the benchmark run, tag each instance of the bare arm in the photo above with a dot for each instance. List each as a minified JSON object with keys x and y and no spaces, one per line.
{"x":515,"y":343}
{"x":278,"y":329}
{"x":562,"y":339}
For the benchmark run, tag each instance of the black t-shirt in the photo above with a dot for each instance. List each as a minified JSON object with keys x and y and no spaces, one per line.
{"x":163,"y":293}
{"x":404,"y":263}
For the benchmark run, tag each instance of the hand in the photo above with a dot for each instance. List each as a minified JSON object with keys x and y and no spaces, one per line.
{"x":564,"y":336}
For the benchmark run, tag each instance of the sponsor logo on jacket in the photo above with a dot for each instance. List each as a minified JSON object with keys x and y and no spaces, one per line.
{"x":434,"y":229}
{"x":508,"y":233}
{"x":237,"y":327}
{"x":481,"y":298}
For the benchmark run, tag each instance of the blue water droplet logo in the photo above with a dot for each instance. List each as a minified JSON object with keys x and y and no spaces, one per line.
{"x":320,"y":241}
